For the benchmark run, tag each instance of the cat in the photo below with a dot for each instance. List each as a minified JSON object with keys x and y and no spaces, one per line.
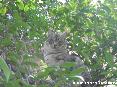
{"x":55,"y":53}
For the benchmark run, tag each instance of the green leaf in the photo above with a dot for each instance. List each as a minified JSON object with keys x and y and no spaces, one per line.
{"x":76,"y":78}
{"x":5,"y":68}
{"x":109,"y":59}
{"x":0,"y":5}
{"x":68,"y":64}
{"x":32,"y":6}
{"x":32,"y":1}
{"x":19,"y":0}
{"x":21,"y":5}
{"x":49,"y":69}
{"x":77,"y":71}
{"x":6,"y":42}
{"x":26,"y":8}
{"x":3,"y":10}
{"x":14,"y":83}
{"x":42,"y":75}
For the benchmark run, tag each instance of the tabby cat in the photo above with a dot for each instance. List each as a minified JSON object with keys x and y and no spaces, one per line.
{"x":55,"y":53}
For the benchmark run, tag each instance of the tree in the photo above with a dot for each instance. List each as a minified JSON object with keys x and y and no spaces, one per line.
{"x":23,"y":25}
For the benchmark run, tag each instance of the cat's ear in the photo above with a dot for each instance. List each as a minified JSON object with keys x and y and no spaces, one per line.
{"x":64,"y":34}
{"x":50,"y":33}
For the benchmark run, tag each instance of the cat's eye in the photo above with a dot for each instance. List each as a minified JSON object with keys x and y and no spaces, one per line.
{"x":57,"y":38}
{"x":51,"y":41}
{"x":60,"y":43}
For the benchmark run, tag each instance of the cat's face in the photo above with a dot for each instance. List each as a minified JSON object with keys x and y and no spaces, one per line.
{"x":56,"y":39}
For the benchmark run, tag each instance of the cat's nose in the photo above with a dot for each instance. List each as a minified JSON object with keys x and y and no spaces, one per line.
{"x":55,"y":45}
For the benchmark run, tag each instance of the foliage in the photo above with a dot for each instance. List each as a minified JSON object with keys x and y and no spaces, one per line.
{"x":92,"y":33}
